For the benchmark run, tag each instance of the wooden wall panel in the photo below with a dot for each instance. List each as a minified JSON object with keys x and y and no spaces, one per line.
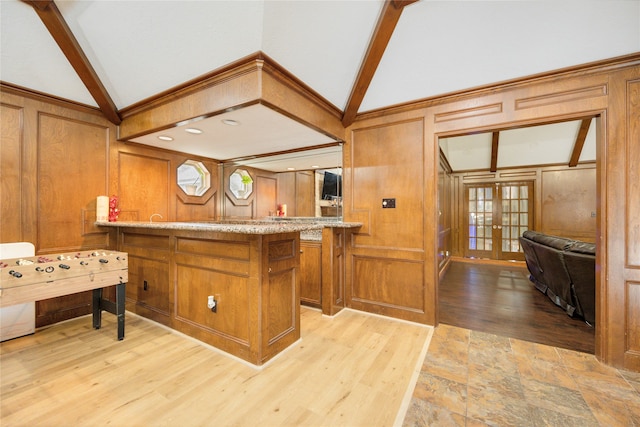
{"x":233,"y":298}
{"x":55,"y":161}
{"x":445,"y":215}
{"x":65,"y":157}
{"x":266,"y":190}
{"x":386,"y":269}
{"x":633,"y":174}
{"x":632,"y":315}
{"x":193,"y":212}
{"x":11,"y":173}
{"x":72,"y":172}
{"x":569,"y":203}
{"x":244,"y":208}
{"x":621,"y":283}
{"x":305,"y":193}
{"x":297,"y":191}
{"x":287,"y":191}
{"x":388,"y":163}
{"x":144,"y":187}
{"x":607,"y":91}
{"x":388,"y":283}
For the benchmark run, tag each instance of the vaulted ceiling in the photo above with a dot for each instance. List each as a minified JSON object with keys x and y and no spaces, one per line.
{"x":136,"y":49}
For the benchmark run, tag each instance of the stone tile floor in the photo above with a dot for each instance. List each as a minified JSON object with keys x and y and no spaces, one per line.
{"x":471,"y":378}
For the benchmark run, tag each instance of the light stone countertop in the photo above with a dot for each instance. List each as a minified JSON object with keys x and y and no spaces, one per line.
{"x":240,"y":226}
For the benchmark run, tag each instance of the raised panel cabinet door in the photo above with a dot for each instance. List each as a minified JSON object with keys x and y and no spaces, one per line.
{"x":311,"y":274}
{"x":149,"y":284}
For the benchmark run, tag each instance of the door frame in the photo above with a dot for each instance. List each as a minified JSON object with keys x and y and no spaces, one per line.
{"x":599,"y":116}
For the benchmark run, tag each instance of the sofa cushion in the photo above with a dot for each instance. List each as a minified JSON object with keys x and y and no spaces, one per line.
{"x":582,"y":248}
{"x":555,"y":275}
{"x":582,"y":270}
{"x":555,"y":242}
{"x":535,"y":269}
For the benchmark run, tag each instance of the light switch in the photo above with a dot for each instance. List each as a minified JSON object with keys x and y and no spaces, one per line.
{"x":388,"y":203}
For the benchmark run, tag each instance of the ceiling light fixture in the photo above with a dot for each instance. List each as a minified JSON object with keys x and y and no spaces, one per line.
{"x":315,"y":166}
{"x":230,"y":122}
{"x":194,"y":131}
{"x":165,"y":138}
{"x":291,"y":169}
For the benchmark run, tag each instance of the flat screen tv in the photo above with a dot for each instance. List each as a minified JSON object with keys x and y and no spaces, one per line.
{"x":332,"y":186}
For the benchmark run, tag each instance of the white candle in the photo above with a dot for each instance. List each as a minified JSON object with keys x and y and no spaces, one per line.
{"x":102,"y":208}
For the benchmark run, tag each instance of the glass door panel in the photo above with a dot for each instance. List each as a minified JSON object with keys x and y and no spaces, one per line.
{"x":496,"y":216}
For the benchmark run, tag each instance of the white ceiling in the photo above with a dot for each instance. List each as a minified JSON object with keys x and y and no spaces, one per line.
{"x":258,"y":130}
{"x":140,"y":48}
{"x":538,"y":145}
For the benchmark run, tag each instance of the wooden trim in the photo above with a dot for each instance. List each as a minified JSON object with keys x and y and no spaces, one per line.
{"x":551,"y":165}
{"x":62,"y":34}
{"x":244,"y":65}
{"x":387,"y":22}
{"x":495,"y":138}
{"x":255,"y":80}
{"x":445,"y":162}
{"x":398,"y":4}
{"x":277,"y":153}
{"x":487,"y":261}
{"x":580,"y":138}
{"x":13,"y":89}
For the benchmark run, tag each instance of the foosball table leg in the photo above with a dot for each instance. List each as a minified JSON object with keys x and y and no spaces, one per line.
{"x":120,"y":304}
{"x":97,"y":308}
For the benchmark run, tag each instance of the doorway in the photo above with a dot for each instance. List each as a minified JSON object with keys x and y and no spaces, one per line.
{"x":492,"y":209}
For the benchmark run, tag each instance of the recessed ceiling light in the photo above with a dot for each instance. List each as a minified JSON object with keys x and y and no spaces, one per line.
{"x":194,"y":131}
{"x":291,"y":169}
{"x":165,"y":138}
{"x":315,"y":166}
{"x":230,"y":122}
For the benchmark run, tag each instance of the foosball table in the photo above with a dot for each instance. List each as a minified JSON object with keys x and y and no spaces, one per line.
{"x":47,"y":276}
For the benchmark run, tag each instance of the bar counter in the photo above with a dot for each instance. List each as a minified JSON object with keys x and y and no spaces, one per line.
{"x":234,"y":284}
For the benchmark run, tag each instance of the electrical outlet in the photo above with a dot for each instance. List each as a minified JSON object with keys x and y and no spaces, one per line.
{"x":212,"y":303}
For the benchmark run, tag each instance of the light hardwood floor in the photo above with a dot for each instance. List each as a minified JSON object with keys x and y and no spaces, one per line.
{"x":354,"y":370}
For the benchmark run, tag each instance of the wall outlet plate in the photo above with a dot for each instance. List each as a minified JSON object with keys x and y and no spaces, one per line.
{"x":388,"y":203}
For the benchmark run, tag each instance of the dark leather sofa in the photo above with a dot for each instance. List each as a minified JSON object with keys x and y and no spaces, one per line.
{"x":564,"y":270}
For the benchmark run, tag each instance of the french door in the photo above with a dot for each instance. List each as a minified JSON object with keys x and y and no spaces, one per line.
{"x":496,"y":215}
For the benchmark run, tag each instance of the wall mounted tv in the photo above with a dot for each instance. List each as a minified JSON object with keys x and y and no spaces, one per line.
{"x":332,"y":186}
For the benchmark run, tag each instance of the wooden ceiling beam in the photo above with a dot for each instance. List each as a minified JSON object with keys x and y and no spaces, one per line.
{"x":494,"y":151}
{"x":61,"y":33}
{"x":579,"y":144}
{"x":387,"y":21}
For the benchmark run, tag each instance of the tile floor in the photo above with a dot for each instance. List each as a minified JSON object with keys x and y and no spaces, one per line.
{"x":474,"y":378}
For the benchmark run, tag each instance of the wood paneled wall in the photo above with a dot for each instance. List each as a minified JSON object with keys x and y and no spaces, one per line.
{"x":446,"y":209}
{"x":270,"y":189}
{"x":609,"y":91}
{"x":297,"y":191}
{"x":55,"y":162}
{"x":56,"y":159}
{"x":388,"y":256}
{"x":145,"y":181}
{"x":260,"y":203}
{"x":392,"y":263}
